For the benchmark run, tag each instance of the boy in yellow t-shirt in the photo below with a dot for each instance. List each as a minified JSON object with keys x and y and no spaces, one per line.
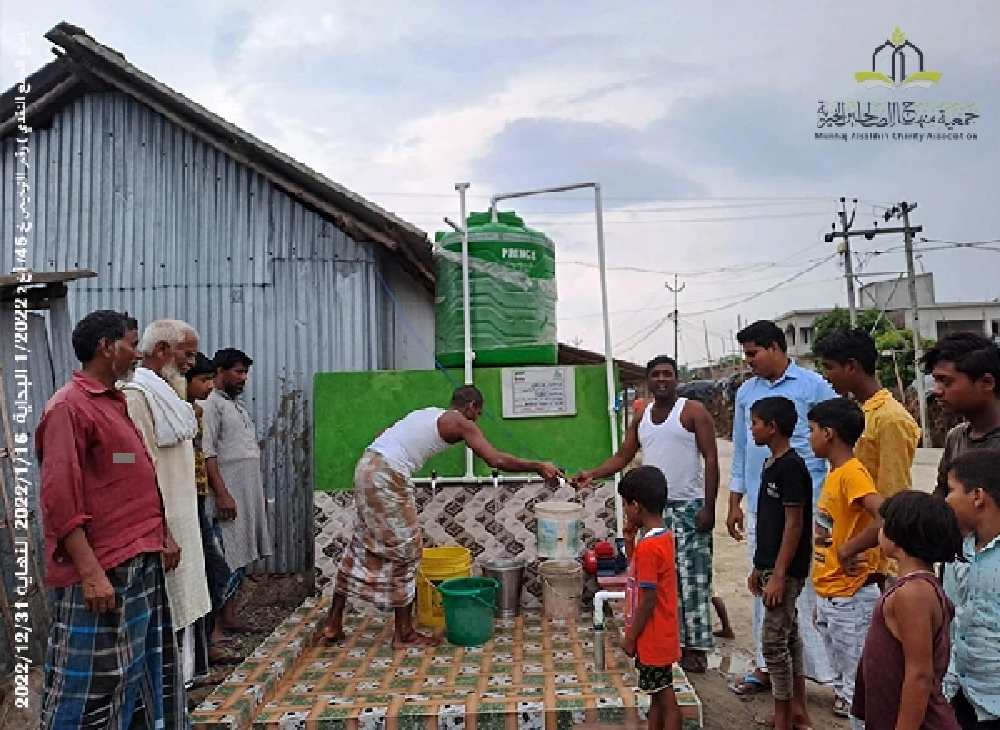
{"x":845,"y":550}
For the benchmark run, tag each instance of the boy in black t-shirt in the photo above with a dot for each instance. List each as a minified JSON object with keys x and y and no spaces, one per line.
{"x":784,"y":553}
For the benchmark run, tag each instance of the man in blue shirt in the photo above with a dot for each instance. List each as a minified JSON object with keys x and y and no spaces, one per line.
{"x":774,"y":374}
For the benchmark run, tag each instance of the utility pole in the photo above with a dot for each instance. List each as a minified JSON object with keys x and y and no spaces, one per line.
{"x":708,"y":353}
{"x":676,"y":290}
{"x":918,"y":353}
{"x":845,"y":249}
{"x":903,"y":211}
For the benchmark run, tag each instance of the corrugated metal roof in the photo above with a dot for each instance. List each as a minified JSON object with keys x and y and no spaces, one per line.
{"x":629,"y":372}
{"x":88,"y":65}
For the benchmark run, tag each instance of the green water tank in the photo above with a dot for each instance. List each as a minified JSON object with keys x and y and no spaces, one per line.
{"x":512,"y":294}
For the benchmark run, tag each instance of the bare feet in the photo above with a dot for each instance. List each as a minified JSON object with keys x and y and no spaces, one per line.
{"x":724,"y":634}
{"x":413,"y":640}
{"x":333,"y":625}
{"x":333,"y":635}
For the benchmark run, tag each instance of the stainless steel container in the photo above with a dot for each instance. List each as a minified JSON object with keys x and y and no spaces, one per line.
{"x":509,"y":573}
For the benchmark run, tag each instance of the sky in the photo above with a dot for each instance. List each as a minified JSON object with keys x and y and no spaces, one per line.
{"x":699,"y":126}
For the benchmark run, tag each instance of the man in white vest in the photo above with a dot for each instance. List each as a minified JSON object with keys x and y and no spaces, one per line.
{"x":380,"y":563}
{"x":677,"y":436}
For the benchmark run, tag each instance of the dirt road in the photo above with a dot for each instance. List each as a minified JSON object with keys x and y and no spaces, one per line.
{"x":724,"y":710}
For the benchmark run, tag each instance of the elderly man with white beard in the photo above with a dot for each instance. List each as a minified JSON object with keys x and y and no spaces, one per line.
{"x":168,"y":426}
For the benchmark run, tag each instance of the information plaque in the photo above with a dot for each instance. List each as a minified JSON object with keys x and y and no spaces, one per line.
{"x":538,"y":391}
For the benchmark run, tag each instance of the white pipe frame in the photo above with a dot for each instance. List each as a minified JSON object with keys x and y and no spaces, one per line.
{"x":608,"y":355}
{"x":599,"y":598}
{"x":510,"y":478}
{"x":466,"y":307}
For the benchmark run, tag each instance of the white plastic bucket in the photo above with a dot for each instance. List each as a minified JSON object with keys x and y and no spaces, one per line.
{"x":562,"y":585}
{"x":558,"y":530}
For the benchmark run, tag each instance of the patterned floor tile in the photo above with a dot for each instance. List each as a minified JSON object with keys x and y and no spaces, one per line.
{"x":534,"y":675}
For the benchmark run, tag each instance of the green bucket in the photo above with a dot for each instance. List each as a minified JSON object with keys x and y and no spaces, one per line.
{"x":469,"y":607}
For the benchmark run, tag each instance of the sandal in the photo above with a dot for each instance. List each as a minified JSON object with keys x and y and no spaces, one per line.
{"x":225,"y":655}
{"x":750,"y":685}
{"x":840,"y":708}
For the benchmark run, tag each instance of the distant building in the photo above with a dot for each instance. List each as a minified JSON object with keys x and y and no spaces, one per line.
{"x":937,"y":319}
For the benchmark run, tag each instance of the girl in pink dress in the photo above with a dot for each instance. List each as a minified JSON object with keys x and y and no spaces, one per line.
{"x":909,"y":644}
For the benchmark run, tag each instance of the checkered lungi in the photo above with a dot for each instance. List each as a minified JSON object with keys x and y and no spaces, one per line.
{"x":117,"y":670}
{"x":693,"y":552}
{"x":380,"y":563}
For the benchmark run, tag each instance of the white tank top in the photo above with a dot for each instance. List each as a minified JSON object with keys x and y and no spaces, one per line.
{"x":673,"y":450}
{"x":410,"y":442}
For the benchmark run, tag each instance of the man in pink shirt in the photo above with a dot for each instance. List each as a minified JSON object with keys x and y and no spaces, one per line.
{"x":112,"y":655}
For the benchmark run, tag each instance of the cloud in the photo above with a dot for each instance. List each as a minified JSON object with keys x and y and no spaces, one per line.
{"x":541,"y":152}
{"x":660,"y":103}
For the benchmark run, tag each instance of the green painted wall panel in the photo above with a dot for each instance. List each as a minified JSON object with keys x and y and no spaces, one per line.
{"x":351,"y":408}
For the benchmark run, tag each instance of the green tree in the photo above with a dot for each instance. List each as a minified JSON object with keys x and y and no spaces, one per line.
{"x":840,"y":319}
{"x":895,"y":349}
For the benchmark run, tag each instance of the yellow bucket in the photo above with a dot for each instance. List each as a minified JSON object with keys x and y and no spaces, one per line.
{"x":437,"y":565}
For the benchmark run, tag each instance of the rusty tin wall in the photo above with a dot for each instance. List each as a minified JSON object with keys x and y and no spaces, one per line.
{"x":176,"y":229}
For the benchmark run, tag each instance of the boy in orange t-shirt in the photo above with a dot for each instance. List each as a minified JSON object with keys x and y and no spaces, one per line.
{"x":651,"y":626}
{"x":845,"y":550}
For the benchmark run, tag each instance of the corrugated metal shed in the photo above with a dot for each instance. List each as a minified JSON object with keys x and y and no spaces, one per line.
{"x":176,"y":224}
{"x":176,"y":229}
{"x":41,"y":388}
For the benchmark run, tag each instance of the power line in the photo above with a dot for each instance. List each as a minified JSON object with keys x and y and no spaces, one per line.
{"x":736,"y":268}
{"x":710,"y":300}
{"x":770,"y":289}
{"x":654,"y":199}
{"x":646,"y":332}
{"x":978,"y":245}
{"x":946,"y":246}
{"x":632,"y":211}
{"x":657,"y":324}
{"x":640,"y":336}
{"x":725,"y":219}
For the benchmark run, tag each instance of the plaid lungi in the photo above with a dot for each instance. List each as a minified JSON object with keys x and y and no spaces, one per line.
{"x":380,"y":563}
{"x":117,"y":670}
{"x":236,"y":577}
{"x":694,"y":573}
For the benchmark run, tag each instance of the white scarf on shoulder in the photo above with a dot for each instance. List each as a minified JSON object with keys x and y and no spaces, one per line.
{"x":173,"y":419}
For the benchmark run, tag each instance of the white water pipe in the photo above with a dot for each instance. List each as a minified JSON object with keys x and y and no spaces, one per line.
{"x":599,"y":598}
{"x":526,"y":479}
{"x":466,"y":306}
{"x":608,"y":355}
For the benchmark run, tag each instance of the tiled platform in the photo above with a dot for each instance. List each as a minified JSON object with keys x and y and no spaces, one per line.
{"x":534,"y":675}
